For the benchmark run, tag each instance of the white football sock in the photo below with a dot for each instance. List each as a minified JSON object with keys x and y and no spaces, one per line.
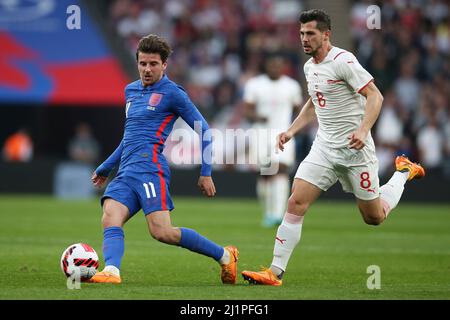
{"x":288,"y":236}
{"x":280,"y":193}
{"x":392,"y":191}
{"x":113,"y":270}
{"x":225,"y":258}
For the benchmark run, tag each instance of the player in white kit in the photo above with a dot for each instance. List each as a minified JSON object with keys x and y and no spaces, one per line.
{"x":346,"y":103}
{"x":270,"y":100}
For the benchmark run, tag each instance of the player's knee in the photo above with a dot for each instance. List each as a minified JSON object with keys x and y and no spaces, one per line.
{"x":372,"y":215}
{"x":297,"y":207}
{"x":158,"y":234}
{"x":165,"y":235}
{"x":108,"y":219}
{"x":113,"y":215}
{"x":373,"y":220}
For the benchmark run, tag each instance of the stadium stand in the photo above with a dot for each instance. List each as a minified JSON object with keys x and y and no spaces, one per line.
{"x":409,"y":58}
{"x":220,"y":44}
{"x":217,"y":46}
{"x":43,"y":62}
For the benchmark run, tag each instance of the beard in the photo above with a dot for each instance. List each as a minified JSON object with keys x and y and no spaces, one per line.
{"x":314,"y":50}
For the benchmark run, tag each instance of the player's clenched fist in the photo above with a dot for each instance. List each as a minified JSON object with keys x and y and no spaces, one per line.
{"x":97,"y":180}
{"x":282,"y":138}
{"x":357,"y":139}
{"x":206,"y":184}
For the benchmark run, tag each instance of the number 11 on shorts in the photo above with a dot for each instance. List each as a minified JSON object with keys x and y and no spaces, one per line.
{"x":149,"y":187}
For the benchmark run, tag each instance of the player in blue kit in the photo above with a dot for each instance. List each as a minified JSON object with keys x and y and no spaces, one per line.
{"x":153,"y":103}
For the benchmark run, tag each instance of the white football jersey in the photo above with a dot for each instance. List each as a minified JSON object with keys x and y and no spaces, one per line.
{"x":274,"y":99}
{"x":334,"y":85}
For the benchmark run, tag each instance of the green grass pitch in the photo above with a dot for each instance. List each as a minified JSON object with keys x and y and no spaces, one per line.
{"x":412,"y":250}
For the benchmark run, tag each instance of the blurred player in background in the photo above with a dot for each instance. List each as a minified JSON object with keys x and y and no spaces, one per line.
{"x":270,"y":100}
{"x":153,"y":103}
{"x":84,"y":147}
{"x":346,"y":103}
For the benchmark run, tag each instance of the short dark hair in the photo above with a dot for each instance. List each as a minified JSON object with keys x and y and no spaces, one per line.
{"x":154,"y":44}
{"x":320,"y":16}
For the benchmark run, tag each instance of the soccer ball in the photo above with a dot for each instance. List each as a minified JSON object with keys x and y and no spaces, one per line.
{"x":79,"y":259}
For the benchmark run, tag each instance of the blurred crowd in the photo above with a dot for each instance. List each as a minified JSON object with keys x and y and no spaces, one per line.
{"x":409,"y":59}
{"x":219,"y":44}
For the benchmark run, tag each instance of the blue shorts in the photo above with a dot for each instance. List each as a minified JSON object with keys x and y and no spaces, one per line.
{"x":147,"y":191}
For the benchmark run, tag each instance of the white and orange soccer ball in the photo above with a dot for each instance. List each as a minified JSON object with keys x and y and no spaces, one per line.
{"x":79,"y":259}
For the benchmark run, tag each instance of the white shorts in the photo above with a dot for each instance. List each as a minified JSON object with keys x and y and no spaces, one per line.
{"x":356,"y":170}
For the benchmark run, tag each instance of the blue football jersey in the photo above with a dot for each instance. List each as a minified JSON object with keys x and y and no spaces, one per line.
{"x":150,"y":114}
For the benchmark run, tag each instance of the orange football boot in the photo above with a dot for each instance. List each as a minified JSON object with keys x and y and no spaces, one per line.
{"x":265,"y":277}
{"x":229,"y":271}
{"x":105,"y":277}
{"x":402,"y":163}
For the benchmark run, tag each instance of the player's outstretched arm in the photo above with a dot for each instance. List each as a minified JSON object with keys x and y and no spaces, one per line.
{"x":206,"y":185}
{"x":373,"y":106}
{"x":306,"y":115}
{"x":192,"y":116}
